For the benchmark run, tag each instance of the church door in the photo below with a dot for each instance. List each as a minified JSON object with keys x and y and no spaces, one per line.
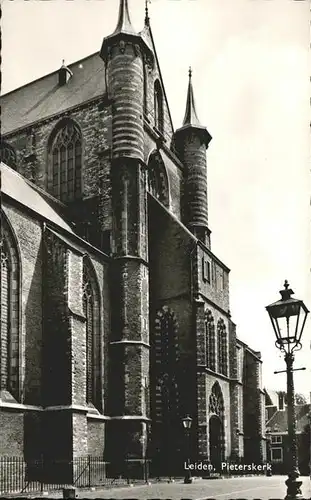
{"x":215,"y":441}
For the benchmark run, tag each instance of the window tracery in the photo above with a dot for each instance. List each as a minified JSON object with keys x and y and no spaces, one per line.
{"x":66,"y":154}
{"x":166,"y":359}
{"x":157,"y":179}
{"x":9,"y":339}
{"x":210,"y":340}
{"x":222,"y":347}
{"x":216,"y":403}
{"x":90,"y":302}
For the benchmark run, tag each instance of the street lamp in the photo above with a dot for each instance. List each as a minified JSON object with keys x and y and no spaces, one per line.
{"x":288,"y":317}
{"x":187,"y":422}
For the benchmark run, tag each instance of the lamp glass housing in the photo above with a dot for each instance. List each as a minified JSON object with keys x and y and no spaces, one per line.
{"x":288,"y":317}
{"x":187,"y":422}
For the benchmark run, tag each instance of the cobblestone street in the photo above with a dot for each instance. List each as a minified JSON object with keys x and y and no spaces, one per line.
{"x":250,"y":488}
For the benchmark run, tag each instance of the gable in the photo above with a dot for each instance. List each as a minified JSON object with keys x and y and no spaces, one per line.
{"x":153,"y":80}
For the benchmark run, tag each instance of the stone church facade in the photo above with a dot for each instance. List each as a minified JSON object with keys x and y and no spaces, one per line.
{"x":115,"y":320}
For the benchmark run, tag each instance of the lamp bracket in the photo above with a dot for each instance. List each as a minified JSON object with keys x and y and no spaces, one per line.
{"x":294,"y":370}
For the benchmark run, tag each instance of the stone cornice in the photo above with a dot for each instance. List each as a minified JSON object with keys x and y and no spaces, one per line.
{"x":129,"y":342}
{"x":103,"y":98}
{"x":204,"y":369}
{"x":20,"y":407}
{"x":130,"y":257}
{"x":72,"y":408}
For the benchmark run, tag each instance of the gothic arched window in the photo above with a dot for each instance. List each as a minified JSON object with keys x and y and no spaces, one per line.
{"x":158,"y":107}
{"x":166,"y":360}
{"x":157,"y":179}
{"x":210,"y":341}
{"x":216,"y":401}
{"x":66,"y":162}
{"x":222,"y":348}
{"x":9,"y":340}
{"x":90,"y":297}
{"x":8,"y":155}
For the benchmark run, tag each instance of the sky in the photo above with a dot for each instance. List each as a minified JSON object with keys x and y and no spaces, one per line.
{"x":250,"y":62}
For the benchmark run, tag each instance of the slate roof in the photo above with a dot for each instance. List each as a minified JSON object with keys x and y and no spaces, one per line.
{"x":27,"y":194}
{"x":43,"y":98}
{"x":279,"y":419}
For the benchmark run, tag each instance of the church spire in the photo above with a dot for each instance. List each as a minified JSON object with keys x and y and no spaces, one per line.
{"x":124,"y":24}
{"x":147,"y":18}
{"x":191,"y":117}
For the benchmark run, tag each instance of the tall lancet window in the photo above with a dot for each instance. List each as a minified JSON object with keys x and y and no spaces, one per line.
{"x":210,"y":340}
{"x":66,"y":161}
{"x":222,"y":348}
{"x":158,"y":106}
{"x":9,"y":340}
{"x":90,"y":297}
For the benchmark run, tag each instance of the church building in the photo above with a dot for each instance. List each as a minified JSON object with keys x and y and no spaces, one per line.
{"x":115,"y":320}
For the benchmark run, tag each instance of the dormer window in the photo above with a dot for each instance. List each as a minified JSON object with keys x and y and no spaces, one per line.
{"x":64,"y":74}
{"x":158,"y":107}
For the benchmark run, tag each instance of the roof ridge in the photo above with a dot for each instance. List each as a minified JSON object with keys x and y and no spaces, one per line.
{"x":48,"y":74}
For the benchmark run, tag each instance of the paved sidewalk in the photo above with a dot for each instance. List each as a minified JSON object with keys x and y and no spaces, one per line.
{"x":247,"y":488}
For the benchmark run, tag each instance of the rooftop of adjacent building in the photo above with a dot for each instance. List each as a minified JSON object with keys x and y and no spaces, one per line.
{"x":277,"y":423}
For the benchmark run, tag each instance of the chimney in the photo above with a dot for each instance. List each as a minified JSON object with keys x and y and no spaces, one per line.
{"x":281,"y":401}
{"x":64,"y":74}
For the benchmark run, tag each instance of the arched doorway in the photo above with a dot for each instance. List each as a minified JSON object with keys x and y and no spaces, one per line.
{"x":215,"y":441}
{"x":216,"y":427}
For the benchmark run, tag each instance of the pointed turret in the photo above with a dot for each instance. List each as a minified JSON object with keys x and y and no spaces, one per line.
{"x":192,"y":140}
{"x":124,"y":24}
{"x":147,"y":18}
{"x":124,"y":31}
{"x":191,"y":117}
{"x":123,"y":52}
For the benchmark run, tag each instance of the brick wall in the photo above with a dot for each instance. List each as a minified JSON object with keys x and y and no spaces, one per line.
{"x":253,"y":442}
{"x":94,"y":121}
{"x":11,"y":433}
{"x":34,"y":162}
{"x":217,"y":288}
{"x":95,"y":437}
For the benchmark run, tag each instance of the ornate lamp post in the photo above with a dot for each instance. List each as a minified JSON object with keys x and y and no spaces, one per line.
{"x":288,"y":317}
{"x":187,"y":422}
